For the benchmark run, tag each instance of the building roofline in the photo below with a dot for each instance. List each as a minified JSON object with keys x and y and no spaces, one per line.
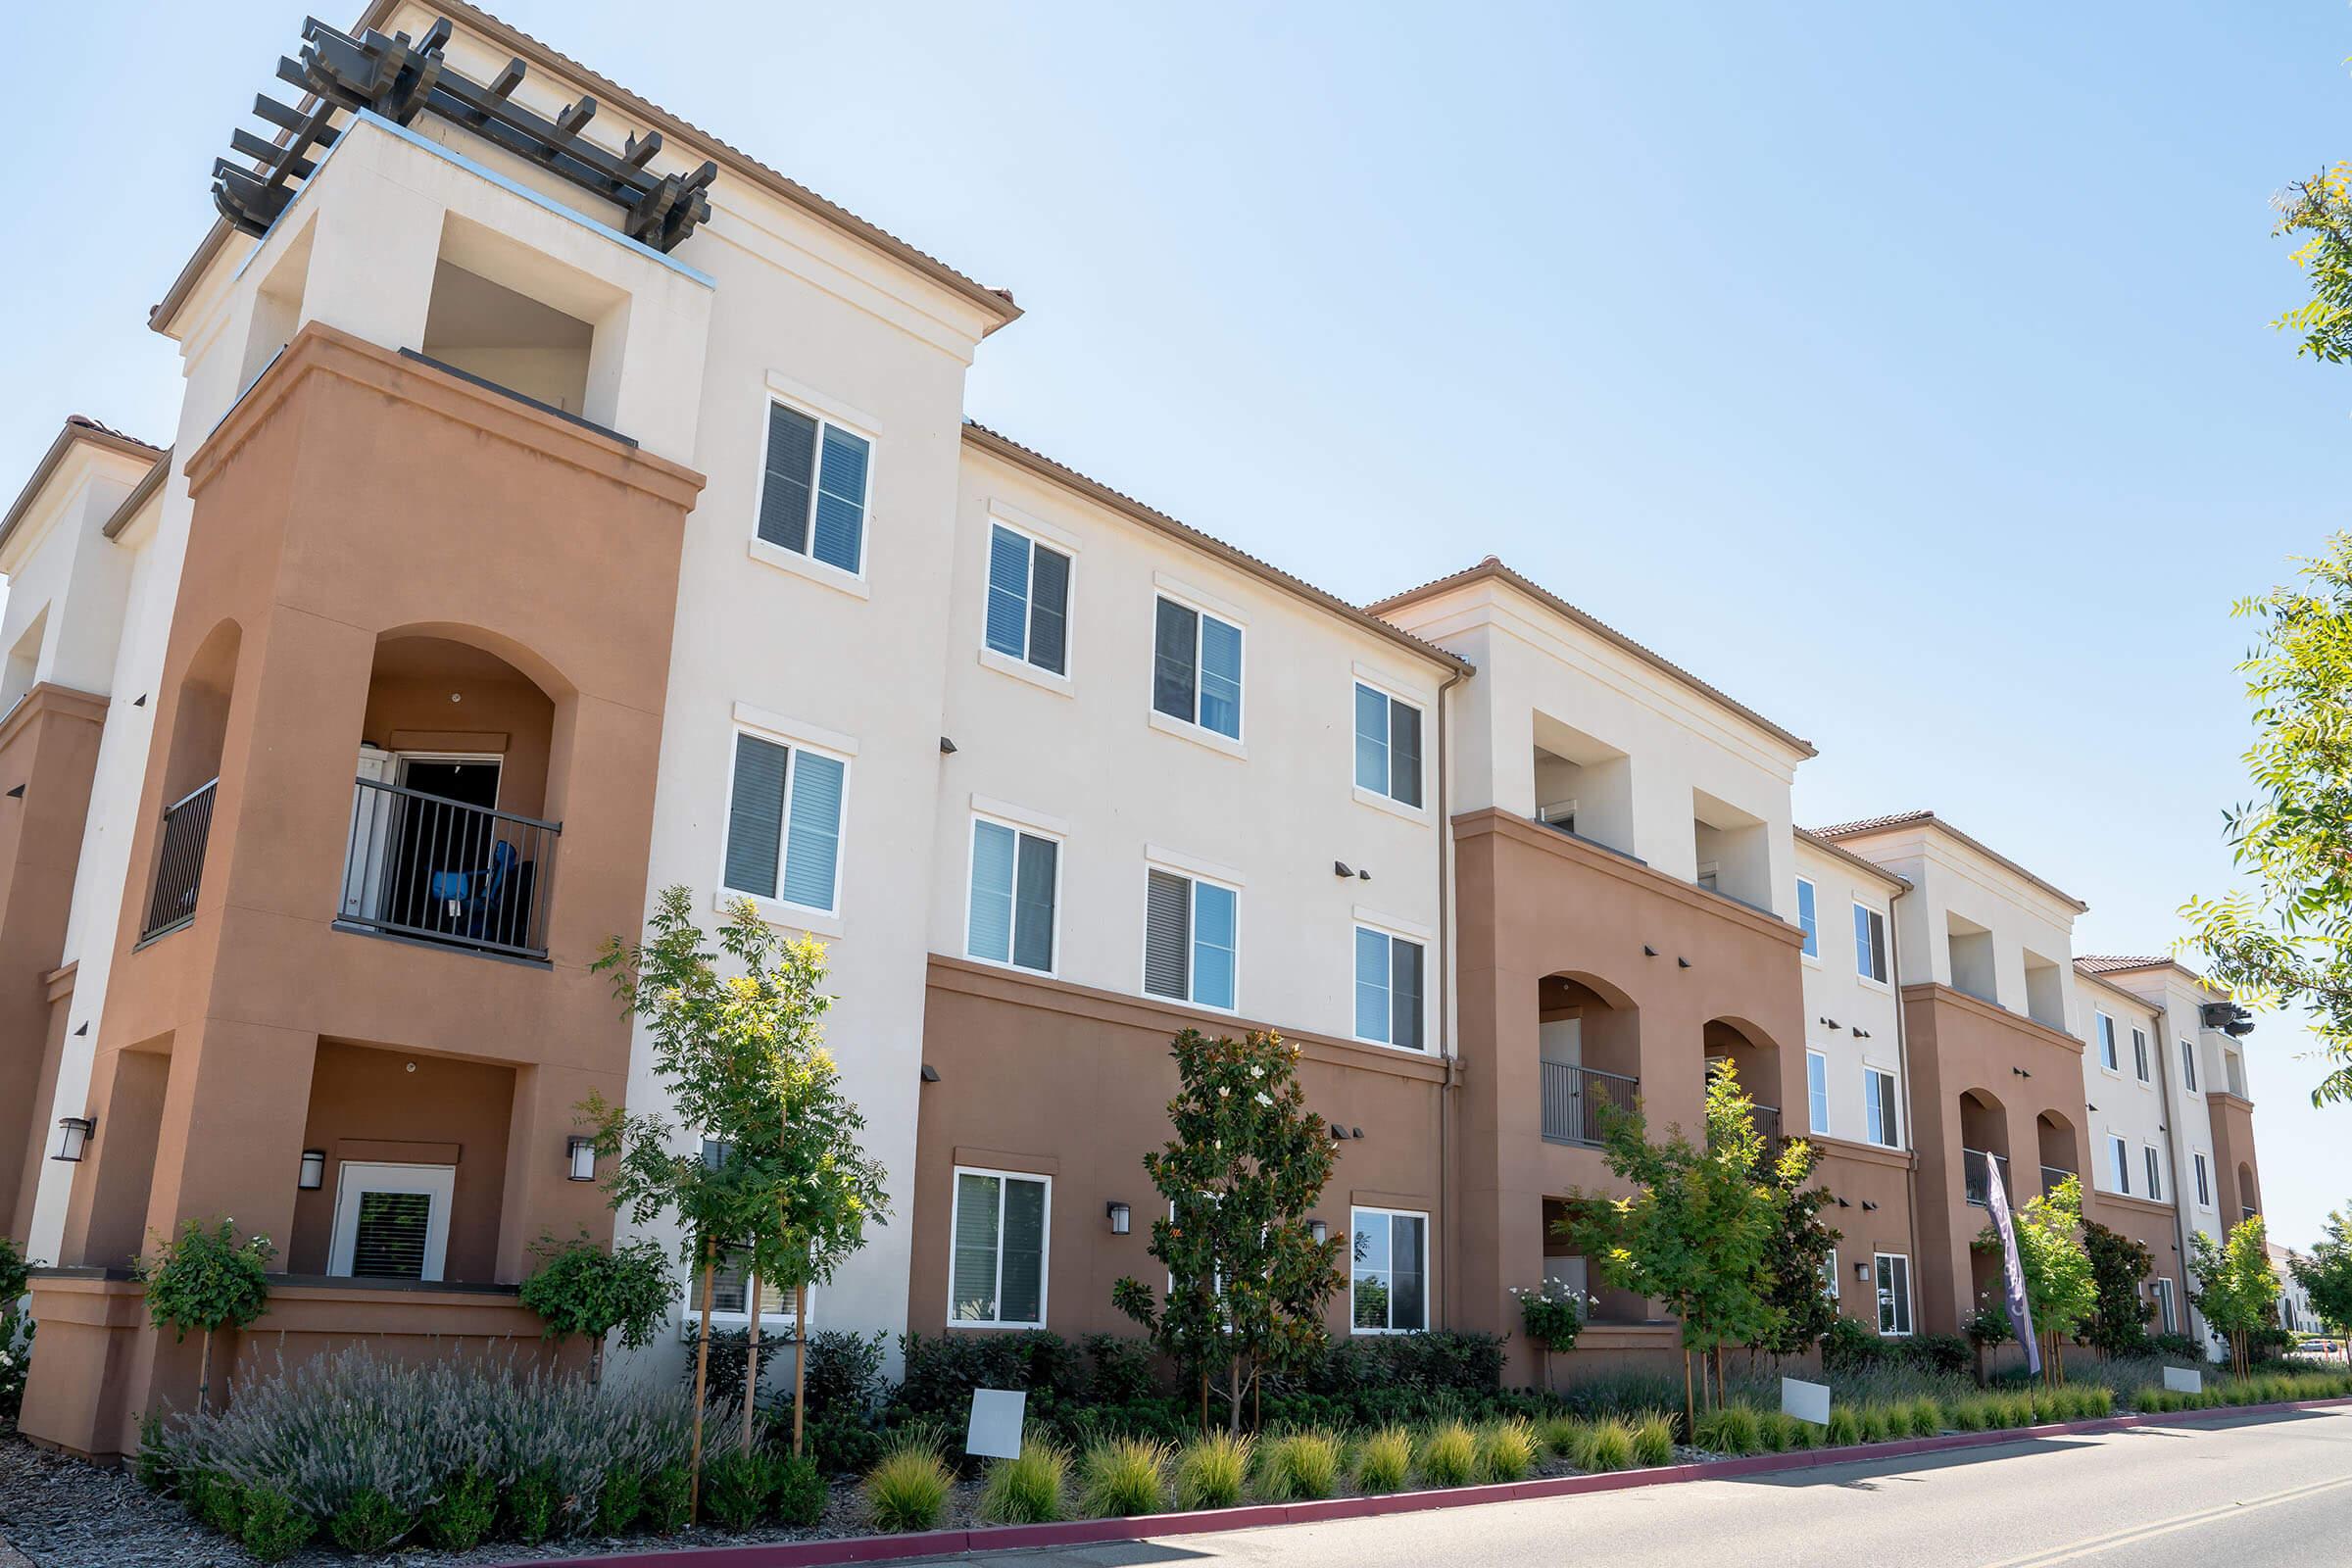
{"x":1873,"y":826}
{"x":1893,"y":879}
{"x":997,"y":302}
{"x":78,"y":429}
{"x":2106,"y":963}
{"x":983,"y":439}
{"x":140,"y":494}
{"x":1493,"y":569}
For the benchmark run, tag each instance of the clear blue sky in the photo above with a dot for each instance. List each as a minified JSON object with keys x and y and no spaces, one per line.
{"x":1903,"y":369}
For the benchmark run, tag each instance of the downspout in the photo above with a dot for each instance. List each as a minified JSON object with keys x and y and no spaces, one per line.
{"x":2176,"y":1144}
{"x":1445,"y":1032}
{"x":1903,"y":1063}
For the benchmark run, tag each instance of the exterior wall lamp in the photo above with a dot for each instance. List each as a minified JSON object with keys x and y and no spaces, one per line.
{"x":1121,"y":1220}
{"x":313,"y":1170}
{"x":73,"y":1136}
{"x":1319,"y":1231}
{"x":581,"y":1153}
{"x":1862,"y":1270}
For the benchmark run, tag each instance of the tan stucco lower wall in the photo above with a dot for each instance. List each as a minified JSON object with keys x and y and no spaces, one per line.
{"x":1871,"y":1212}
{"x":2155,"y":1227}
{"x":2234,"y":1166}
{"x":1046,"y":1078}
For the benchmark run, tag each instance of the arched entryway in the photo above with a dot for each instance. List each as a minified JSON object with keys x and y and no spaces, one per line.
{"x":2060,"y":1150}
{"x":1755,"y":1059}
{"x":1590,"y":1036}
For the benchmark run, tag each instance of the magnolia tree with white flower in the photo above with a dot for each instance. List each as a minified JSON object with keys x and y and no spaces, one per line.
{"x":1552,"y":1315}
{"x":1247,"y":1280}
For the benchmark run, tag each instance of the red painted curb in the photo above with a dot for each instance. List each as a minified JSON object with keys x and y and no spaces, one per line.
{"x":1251,"y":1516}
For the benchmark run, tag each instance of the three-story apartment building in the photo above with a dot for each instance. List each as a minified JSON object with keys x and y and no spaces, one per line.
{"x":565,"y":506}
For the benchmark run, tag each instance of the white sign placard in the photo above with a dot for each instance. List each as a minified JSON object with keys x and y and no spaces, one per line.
{"x":995,"y":1431}
{"x":1807,"y":1402}
{"x":2184,"y":1380}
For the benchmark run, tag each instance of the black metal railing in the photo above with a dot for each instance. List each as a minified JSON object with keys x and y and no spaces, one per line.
{"x":418,"y":865}
{"x":1973,"y":1179}
{"x":180,"y":860}
{"x":1574,"y":1098}
{"x":2052,"y":1175}
{"x":1766,"y":1119}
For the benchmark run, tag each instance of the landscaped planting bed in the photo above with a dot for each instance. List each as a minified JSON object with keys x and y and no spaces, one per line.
{"x":450,"y":1465}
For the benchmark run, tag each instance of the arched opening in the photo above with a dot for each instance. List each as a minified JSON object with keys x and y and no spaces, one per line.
{"x":2060,"y":1156}
{"x":1590,"y":1036}
{"x":450,"y":841}
{"x":191,"y":779}
{"x":2249,"y":1200}
{"x":1757,"y":1061}
{"x":1984,"y":1143}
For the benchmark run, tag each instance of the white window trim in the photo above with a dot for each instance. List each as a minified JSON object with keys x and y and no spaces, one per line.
{"x":1382,"y":800}
{"x":1811,"y":1057}
{"x":1200,"y":604}
{"x":2201,"y":1165}
{"x":356,"y":1177}
{"x":1910,"y":1311}
{"x":776,"y":910}
{"x":1813,"y":957}
{"x":2142,"y":1046}
{"x":1018,"y":666}
{"x":825,"y":410}
{"x":2151,"y":1168}
{"x":1885,"y":933}
{"x":2168,"y":1311}
{"x":690,"y":1316}
{"x":2119,"y":1164}
{"x":1394,"y":930}
{"x":1045,"y":1249}
{"x":1157,"y":860}
{"x":1018,"y":821}
{"x":1356,"y":1210}
{"x":2103,"y":1041}
{"x":1870,"y":1099}
{"x":1834,"y":1288}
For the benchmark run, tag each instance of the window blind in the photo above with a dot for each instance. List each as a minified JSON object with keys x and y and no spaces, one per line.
{"x":1167,"y":934}
{"x":756,"y":815}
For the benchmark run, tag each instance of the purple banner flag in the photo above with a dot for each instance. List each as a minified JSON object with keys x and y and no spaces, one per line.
{"x":2013,"y":1273}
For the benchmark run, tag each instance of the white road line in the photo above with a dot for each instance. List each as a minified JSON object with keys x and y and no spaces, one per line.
{"x":2165,"y":1527}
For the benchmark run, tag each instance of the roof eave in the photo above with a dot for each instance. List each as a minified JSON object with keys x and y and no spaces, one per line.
{"x":67,"y":437}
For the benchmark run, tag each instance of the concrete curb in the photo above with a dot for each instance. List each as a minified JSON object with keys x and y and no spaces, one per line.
{"x":1092,"y":1531}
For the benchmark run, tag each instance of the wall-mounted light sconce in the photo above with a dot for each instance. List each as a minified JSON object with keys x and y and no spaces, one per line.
{"x":1861,"y":1033}
{"x":16,"y":794}
{"x":139,"y":701}
{"x":580,"y":1154}
{"x":1649,"y":951}
{"x":947,"y":747}
{"x":1356,"y":1131}
{"x":1121,"y":1219}
{"x":313,"y":1174}
{"x":930,"y":1073}
{"x":83,"y":1030}
{"x":1862,"y":1270}
{"x":1339,"y":1134}
{"x":1682,"y":964}
{"x":1842,"y":1203}
{"x":1341,"y":868}
{"x":1318,"y":1232}
{"x":1869,"y":1208}
{"x":73,"y":1136}
{"x":1362,"y":876}
{"x":2090,"y":1107}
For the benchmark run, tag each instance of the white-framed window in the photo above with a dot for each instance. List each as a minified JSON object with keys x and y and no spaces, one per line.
{"x":1829,"y":1276}
{"x":1015,"y":895}
{"x":1192,"y":938}
{"x":1808,"y":918}
{"x":391,"y":1221}
{"x":2204,"y":1179}
{"x":1387,"y":1277}
{"x":812,"y":487}
{"x":2119,"y":1164}
{"x":1893,"y":1274}
{"x":1885,"y":1125}
{"x":1389,"y":984}
{"x":1817,"y":1092}
{"x":2139,"y":1054}
{"x":2166,"y":1312}
{"x":2153,"y":1163}
{"x":731,"y":1298}
{"x":2105,"y":1030}
{"x":1028,"y":599}
{"x":999,"y":1237}
{"x":784,"y":810}
{"x":1388,"y":744}
{"x":1870,"y":943}
{"x":1197,"y":667}
{"x":2188,"y":1064}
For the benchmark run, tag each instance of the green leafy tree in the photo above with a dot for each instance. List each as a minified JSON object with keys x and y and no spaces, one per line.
{"x":1698,"y":1232}
{"x":1799,"y":1257}
{"x":2286,"y":941}
{"x":582,"y":1287}
{"x":2236,"y":1290}
{"x":1247,"y":1163}
{"x":785,"y":1183}
{"x":205,"y":1279}
{"x":2318,"y":212}
{"x":2118,"y":1324}
{"x":2326,"y":1275}
{"x":2061,"y":1291}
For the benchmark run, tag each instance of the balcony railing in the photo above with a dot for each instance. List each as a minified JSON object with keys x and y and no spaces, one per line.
{"x":1766,"y":1119}
{"x":440,"y":870}
{"x":2051,"y":1176}
{"x":1574,"y":1098}
{"x":179,"y":861}
{"x":1974,"y":1180}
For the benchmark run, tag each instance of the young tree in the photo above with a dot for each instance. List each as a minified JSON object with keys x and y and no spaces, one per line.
{"x":2236,"y":1289}
{"x":1698,"y":1232}
{"x":2320,"y":210}
{"x":2060,"y":1289}
{"x":205,"y":1279}
{"x":2118,"y":1324}
{"x":2326,"y":1275}
{"x":787,"y":1185}
{"x":1799,"y":1257}
{"x":1248,"y":1281}
{"x":581,"y":1287}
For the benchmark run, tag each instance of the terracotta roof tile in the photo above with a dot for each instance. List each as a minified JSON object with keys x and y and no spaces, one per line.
{"x":2111,"y":963}
{"x":1863,"y":827}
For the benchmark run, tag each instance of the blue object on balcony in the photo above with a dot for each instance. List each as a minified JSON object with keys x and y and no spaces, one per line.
{"x":470,"y":897}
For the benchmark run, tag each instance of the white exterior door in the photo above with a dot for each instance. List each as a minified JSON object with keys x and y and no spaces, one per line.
{"x":391,"y":1221}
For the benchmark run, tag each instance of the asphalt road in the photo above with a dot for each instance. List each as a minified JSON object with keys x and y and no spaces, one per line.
{"x":2245,"y":1493}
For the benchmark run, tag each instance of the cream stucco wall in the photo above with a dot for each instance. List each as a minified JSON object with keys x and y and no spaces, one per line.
{"x":2119,"y":1102}
{"x":1865,"y":1031}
